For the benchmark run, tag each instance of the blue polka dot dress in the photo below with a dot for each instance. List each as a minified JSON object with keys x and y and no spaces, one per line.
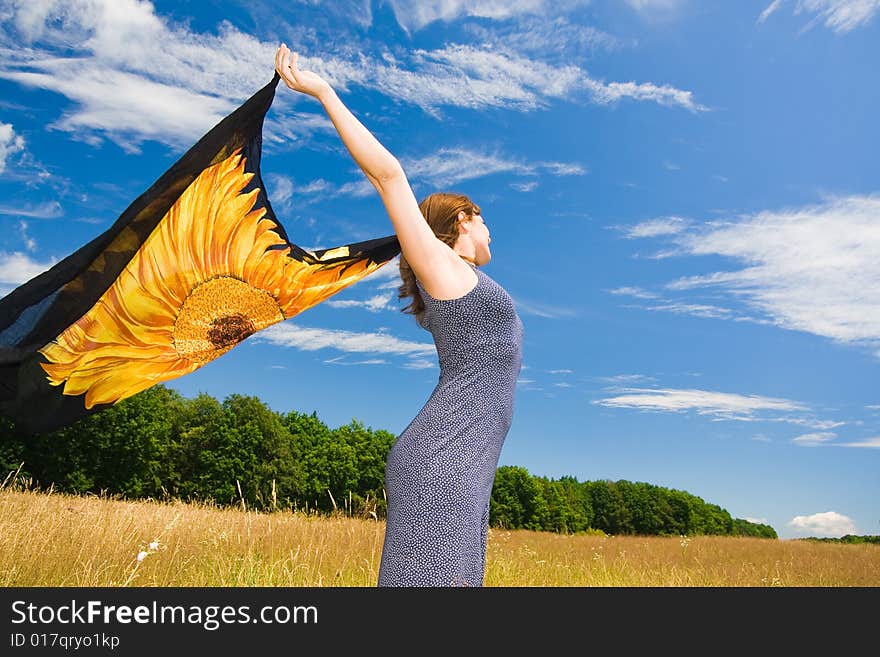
{"x":440,"y":471}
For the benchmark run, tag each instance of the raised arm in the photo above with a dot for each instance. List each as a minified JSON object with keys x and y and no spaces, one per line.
{"x":431,"y":260}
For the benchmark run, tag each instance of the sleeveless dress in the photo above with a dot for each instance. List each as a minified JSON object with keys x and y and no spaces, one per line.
{"x":440,"y":471}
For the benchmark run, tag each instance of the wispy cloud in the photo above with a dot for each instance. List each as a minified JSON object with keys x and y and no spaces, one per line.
{"x":10,"y":143}
{"x":420,"y":364}
{"x":133,"y":75}
{"x":130,"y":74}
{"x":471,"y":76}
{"x":29,"y":242}
{"x":287,"y":334}
{"x":632,"y":291}
{"x":841,"y":16}
{"x":655,"y":227}
{"x":449,"y":166}
{"x":827,"y":524}
{"x":374,"y":304}
{"x":127,"y":106}
{"x":613,"y":92}
{"x":46,"y":210}
{"x":340,"y":360}
{"x":655,"y":5}
{"x":549,"y":36}
{"x":812,"y":269}
{"x":704,"y":401}
{"x":625,"y":378}
{"x":17,"y":268}
{"x":814,"y":439}
{"x":413,"y":15}
{"x":869,"y":443}
{"x":541,"y":309}
{"x":443,"y":168}
{"x":719,"y":405}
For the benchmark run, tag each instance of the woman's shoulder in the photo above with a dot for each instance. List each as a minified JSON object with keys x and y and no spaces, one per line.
{"x":461,"y":293}
{"x":445,"y":275}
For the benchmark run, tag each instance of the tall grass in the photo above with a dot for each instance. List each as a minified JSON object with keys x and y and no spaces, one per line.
{"x":51,"y":539}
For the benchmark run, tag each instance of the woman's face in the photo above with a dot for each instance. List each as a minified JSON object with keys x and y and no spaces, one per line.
{"x":480,"y":238}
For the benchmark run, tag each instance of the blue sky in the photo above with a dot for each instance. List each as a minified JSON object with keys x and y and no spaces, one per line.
{"x":683,"y":198}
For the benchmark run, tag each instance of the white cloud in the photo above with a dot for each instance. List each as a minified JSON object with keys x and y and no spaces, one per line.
{"x":839,"y":15}
{"x":10,"y":143}
{"x":820,"y":425}
{"x":655,"y":5}
{"x":46,"y":210}
{"x":634,"y":292}
{"x":280,"y":190}
{"x":812,"y":269}
{"x":17,"y":268}
{"x":449,"y":166}
{"x":29,"y":242}
{"x":869,"y":443}
{"x":663,"y":95}
{"x":814,"y":439}
{"x":127,"y":106}
{"x":130,"y":73}
{"x":541,"y":309}
{"x":826,"y":524}
{"x":727,"y":406}
{"x":546,"y":36}
{"x":133,"y":75}
{"x":420,"y":364}
{"x":695,"y":310}
{"x":413,"y":15}
{"x":627,"y":378}
{"x":287,"y":334}
{"x":340,"y":360}
{"x":721,"y":406}
{"x":772,"y":7}
{"x":659,"y":226}
{"x":479,"y":77}
{"x":444,"y":168}
{"x":563,"y":168}
{"x":373,"y":304}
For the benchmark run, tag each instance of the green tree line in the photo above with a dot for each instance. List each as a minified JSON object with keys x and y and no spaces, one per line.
{"x":160,"y":445}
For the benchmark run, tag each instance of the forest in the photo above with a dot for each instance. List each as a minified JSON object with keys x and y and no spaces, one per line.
{"x":160,"y":445}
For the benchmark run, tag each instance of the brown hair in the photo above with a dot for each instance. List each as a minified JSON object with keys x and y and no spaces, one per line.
{"x":440,"y":210}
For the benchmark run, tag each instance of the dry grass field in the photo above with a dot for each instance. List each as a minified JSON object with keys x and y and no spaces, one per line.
{"x":49,"y":539}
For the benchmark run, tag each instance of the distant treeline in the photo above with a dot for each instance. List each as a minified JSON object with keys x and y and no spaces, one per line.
{"x":848,"y":538}
{"x":161,"y":445}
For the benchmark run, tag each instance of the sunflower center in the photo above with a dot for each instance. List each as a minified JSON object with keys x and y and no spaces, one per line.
{"x":230,"y":329}
{"x":218,"y":314}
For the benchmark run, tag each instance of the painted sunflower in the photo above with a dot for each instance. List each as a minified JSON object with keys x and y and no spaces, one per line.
{"x":211,"y":274}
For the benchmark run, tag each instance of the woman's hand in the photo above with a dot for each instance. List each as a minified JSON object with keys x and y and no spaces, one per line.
{"x":303,"y":81}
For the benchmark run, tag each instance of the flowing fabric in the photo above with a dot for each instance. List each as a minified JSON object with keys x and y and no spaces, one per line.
{"x":195,"y":265}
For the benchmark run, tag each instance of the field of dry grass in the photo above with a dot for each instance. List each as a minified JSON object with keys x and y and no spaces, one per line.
{"x":49,"y":539}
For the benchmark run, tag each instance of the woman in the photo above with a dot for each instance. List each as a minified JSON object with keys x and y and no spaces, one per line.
{"x":440,"y":471}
